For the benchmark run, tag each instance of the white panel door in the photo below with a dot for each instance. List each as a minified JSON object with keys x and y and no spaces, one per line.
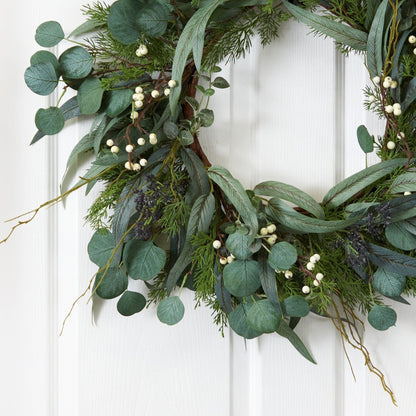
{"x":291,"y":116}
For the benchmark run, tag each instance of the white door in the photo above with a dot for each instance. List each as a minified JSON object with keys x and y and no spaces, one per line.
{"x":108,"y":365}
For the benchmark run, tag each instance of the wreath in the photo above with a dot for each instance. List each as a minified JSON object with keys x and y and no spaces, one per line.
{"x":263,"y":258}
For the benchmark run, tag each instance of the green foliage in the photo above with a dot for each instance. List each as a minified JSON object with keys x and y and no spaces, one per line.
{"x":131,"y":303}
{"x":111,"y":284}
{"x":170,"y":310}
{"x":50,"y":121}
{"x":382,"y":317}
{"x":75,"y":63}
{"x":41,"y":78}
{"x":49,"y":34}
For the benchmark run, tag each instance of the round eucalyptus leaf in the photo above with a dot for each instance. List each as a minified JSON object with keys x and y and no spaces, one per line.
{"x":143,"y":259}
{"x":263,"y":317}
{"x":153,"y":20}
{"x":44,"y":57}
{"x":382,"y":317}
{"x":238,"y":244}
{"x":101,"y":247}
{"x":131,"y":303}
{"x":122,"y":21}
{"x":116,"y":101}
{"x":90,"y":95}
{"x":41,"y":78}
{"x":49,"y":34}
{"x":238,"y":322}
{"x":282,"y":256}
{"x":76,"y":63}
{"x":242,"y":277}
{"x":170,"y":310}
{"x":50,"y":120}
{"x":295,"y":306}
{"x":111,"y":284}
{"x":387,"y":283}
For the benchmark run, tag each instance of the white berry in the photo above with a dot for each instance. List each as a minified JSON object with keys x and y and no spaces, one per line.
{"x":263,"y":231}
{"x":155,"y":94}
{"x":172,"y":83}
{"x":141,"y":141}
{"x":143,"y":49}
{"x":400,"y":135}
{"x":138,"y":104}
{"x":312,"y":259}
{"x":134,"y":115}
{"x":216,"y":244}
{"x":230,"y":259}
{"x":223,"y":260}
{"x":319,"y":276}
{"x":271,"y":228}
{"x":317,"y":257}
{"x":397,"y":105}
{"x":143,"y":162}
{"x":129,"y":148}
{"x":152,"y":138}
{"x":397,"y":111}
{"x":389,"y":109}
{"x":310,"y":266}
{"x":393,"y":85}
{"x":316,"y":283}
{"x":166,"y":91}
{"x":288,"y":274}
{"x":109,"y":142}
{"x":138,"y":90}
{"x":406,"y":193}
{"x":128,"y":165}
{"x":136,"y":166}
{"x":371,"y":99}
{"x":306,"y":290}
{"x":376,"y":80}
{"x":114,"y":149}
{"x":386,"y":84}
{"x":414,"y":51}
{"x":138,"y":97}
{"x":391,"y":145}
{"x":412,"y":39}
{"x":271,"y":240}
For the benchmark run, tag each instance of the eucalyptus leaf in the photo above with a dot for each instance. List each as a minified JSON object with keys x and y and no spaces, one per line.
{"x":375,"y":41}
{"x":110,"y":283}
{"x":285,"y":331}
{"x":263,"y":317}
{"x":44,"y":57}
{"x":365,"y":140}
{"x":41,"y":78}
{"x":235,"y":192}
{"x":122,"y":20}
{"x":116,"y":101}
{"x":295,"y":306}
{"x":49,"y":121}
{"x":387,"y":283}
{"x":239,"y":245}
{"x":199,"y":220}
{"x":238,"y":322}
{"x":131,"y":303}
{"x":391,"y":261}
{"x":342,"y":33}
{"x":406,"y":182}
{"x":153,"y":19}
{"x":192,"y":37}
{"x":242,"y":277}
{"x":75,"y":63}
{"x":347,"y":188}
{"x":382,"y":317}
{"x":143,"y":259}
{"x":299,"y":223}
{"x":49,"y":34}
{"x":170,"y":310}
{"x":101,"y":247}
{"x":398,"y":235}
{"x":292,"y":194}
{"x":282,"y":256}
{"x":90,"y":95}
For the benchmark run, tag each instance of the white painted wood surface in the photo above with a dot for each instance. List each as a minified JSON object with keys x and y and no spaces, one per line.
{"x":290,"y":115}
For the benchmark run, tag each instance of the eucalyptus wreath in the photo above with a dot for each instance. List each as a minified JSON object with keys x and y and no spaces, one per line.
{"x":263,"y":258}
